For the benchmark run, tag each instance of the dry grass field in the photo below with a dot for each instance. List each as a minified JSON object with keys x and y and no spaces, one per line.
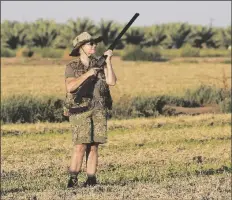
{"x":134,"y":78}
{"x":184,"y":157}
{"x":168,"y":158}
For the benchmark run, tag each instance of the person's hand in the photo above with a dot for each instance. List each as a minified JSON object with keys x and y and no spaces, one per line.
{"x":109,"y":54}
{"x":93,"y":71}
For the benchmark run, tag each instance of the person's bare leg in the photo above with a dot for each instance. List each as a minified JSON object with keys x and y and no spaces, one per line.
{"x":92,"y":159}
{"x":77,"y":157}
{"x":76,"y":163}
{"x":91,"y":162}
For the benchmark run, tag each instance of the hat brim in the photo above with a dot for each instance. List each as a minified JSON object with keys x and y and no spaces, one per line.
{"x":75,"y":51}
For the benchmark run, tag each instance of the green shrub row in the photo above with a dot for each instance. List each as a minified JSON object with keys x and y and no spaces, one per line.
{"x":138,"y":107}
{"x":135,"y":53}
{"x":49,"y":52}
{"x":131,"y":52}
{"x":5,"y":52}
{"x":29,"y":52}
{"x":205,"y":94}
{"x":189,"y":51}
{"x":225,"y":105}
{"x":21,"y":109}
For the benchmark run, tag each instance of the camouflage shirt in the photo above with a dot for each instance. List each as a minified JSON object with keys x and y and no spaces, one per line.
{"x":94,"y":95}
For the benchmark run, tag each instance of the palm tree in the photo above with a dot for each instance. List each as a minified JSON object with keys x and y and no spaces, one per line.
{"x":73,"y":28}
{"x":13,"y":34}
{"x":109,"y":31}
{"x":204,"y":37}
{"x":43,"y":33}
{"x":225,"y":37}
{"x":135,"y":36}
{"x":154,"y":36}
{"x":178,"y":34}
{"x":106,"y":30}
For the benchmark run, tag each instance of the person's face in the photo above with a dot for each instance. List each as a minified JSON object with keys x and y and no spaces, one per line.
{"x":89,"y":48}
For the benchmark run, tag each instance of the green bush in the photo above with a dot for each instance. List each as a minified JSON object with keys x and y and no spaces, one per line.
{"x":27,"y":109}
{"x":24,"y":52}
{"x":189,"y":51}
{"x":128,"y":107}
{"x":205,"y":94}
{"x":6,"y":52}
{"x":147,"y":106}
{"x":136,"y":53}
{"x":171,"y":53}
{"x":51,"y":53}
{"x":27,"y":53}
{"x":215,"y":53}
{"x":225,"y":105}
{"x":226,"y":62}
{"x":22,"y":109}
{"x":138,"y":107}
{"x":181,"y":101}
{"x":122,"y":109}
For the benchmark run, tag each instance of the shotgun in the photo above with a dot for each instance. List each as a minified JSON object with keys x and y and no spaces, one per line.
{"x":100,"y":63}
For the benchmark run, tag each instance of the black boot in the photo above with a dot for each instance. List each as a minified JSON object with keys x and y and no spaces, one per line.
{"x":91,"y":181}
{"x":73,"y":181}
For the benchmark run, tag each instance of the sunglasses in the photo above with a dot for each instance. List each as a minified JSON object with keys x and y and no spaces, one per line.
{"x":91,"y":43}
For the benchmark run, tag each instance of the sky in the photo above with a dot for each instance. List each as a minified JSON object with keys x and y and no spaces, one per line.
{"x":151,"y":12}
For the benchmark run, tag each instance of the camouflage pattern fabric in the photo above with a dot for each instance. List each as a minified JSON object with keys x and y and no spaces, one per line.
{"x":75,"y":68}
{"x":89,"y":127}
{"x":101,"y":92}
{"x":96,"y":93}
{"x":101,"y":95}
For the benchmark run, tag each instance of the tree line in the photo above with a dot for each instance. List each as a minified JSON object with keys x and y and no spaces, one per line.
{"x":47,"y":33}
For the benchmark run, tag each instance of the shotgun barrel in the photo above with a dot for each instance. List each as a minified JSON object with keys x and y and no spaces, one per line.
{"x":112,"y":46}
{"x":101,"y":60}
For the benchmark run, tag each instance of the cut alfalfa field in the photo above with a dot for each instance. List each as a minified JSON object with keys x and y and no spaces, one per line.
{"x":134,"y":78}
{"x":184,"y":157}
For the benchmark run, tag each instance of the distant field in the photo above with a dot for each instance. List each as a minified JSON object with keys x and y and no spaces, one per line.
{"x":134,"y":78}
{"x":182,"y":157}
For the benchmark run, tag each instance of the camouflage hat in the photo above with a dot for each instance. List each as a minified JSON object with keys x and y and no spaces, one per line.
{"x":82,"y":39}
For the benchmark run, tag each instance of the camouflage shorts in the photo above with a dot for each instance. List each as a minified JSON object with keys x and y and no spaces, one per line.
{"x":89,"y":126}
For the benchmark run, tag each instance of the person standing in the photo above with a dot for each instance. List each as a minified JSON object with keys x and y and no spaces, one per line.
{"x":87,"y":112}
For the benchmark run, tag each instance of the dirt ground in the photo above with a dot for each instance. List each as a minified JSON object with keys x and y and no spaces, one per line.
{"x":195,"y":111}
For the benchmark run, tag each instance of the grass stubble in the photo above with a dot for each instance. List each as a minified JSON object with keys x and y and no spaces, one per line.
{"x":182,"y":157}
